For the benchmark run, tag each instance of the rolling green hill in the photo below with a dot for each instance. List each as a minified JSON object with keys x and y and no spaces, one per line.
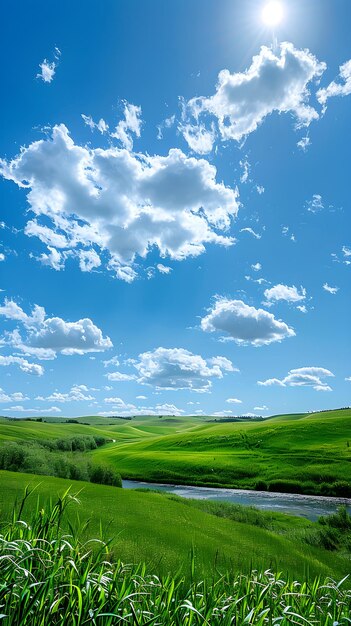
{"x":164,"y":531}
{"x":308,"y":453}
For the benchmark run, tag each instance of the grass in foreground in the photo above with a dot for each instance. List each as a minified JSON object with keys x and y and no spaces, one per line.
{"x":50,"y":577}
{"x":163,"y":531}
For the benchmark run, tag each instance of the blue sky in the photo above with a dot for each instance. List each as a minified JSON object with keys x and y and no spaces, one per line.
{"x":175,"y":230}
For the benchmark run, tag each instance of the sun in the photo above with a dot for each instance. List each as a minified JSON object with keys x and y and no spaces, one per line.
{"x":272,"y":13}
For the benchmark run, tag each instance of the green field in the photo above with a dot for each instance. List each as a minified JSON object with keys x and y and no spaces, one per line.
{"x":297,"y":453}
{"x":164,"y":531}
{"x":206,"y":553}
{"x":310,"y":453}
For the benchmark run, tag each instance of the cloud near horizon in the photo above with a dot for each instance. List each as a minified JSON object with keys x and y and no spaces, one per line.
{"x":302,"y":377}
{"x":45,"y":337}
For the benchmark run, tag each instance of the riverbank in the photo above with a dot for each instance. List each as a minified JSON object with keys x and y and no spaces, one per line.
{"x":310,"y":507}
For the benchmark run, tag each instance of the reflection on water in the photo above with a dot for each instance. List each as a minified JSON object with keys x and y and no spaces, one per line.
{"x":310,"y":507}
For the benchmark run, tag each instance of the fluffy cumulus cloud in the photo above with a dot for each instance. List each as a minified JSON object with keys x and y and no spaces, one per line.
{"x":177,"y":368}
{"x":120,"y":203}
{"x":22,"y":409}
{"x":233,"y":401}
{"x":277,"y":81}
{"x":121,"y":408}
{"x":44,"y":337}
{"x":77,"y":393}
{"x":120,"y":377}
{"x":245,"y":324}
{"x":48,"y":68}
{"x":17,"y":396}
{"x":340,"y":87}
{"x":302,"y":377}
{"x":284,"y":293}
{"x":23,"y":364}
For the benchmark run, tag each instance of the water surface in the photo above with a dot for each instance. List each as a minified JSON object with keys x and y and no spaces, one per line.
{"x":310,"y":507}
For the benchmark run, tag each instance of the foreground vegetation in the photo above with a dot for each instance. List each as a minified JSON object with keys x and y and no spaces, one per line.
{"x":51,"y":577}
{"x":163,"y":531}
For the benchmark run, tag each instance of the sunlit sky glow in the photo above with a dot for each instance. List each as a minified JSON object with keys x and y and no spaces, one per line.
{"x":175,"y":220}
{"x":272,"y":13}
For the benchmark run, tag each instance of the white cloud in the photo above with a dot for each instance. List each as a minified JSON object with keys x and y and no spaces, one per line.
{"x":234,"y":401}
{"x":119,"y":377}
{"x":245,"y":170}
{"x":123,"y":203}
{"x":164,"y":269}
{"x":275,"y":82}
{"x":141,"y":398}
{"x":2,"y":256}
{"x":53,"y":259}
{"x":261,"y":408}
{"x":302,"y":308}
{"x":198,"y":137}
{"x":48,"y":68}
{"x":315,"y":204}
{"x":348,"y":378}
{"x":346,"y":251}
{"x":118,"y":403}
{"x":77,"y":393}
{"x":167,"y":123}
{"x":12,"y":311}
{"x":101,"y":125}
{"x":245,"y":324}
{"x":342,"y":88}
{"x":302,"y":377}
{"x":23,"y":364}
{"x":304,"y":143}
{"x":113,"y":361}
{"x":176,"y":368}
{"x":131,"y":124}
{"x":122,"y":409}
{"x":17,"y":396}
{"x":251,"y":232}
{"x":256,"y":267}
{"x":260,"y":189}
{"x":88,"y":260}
{"x":22,"y":409}
{"x":332,"y":290}
{"x":283,"y":292}
{"x":47,"y":336}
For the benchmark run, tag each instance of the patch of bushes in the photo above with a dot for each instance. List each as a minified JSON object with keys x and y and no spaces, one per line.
{"x":335,"y":533}
{"x":60,"y":458}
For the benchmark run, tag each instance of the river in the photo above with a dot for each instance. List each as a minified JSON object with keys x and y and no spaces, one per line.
{"x":310,"y":507}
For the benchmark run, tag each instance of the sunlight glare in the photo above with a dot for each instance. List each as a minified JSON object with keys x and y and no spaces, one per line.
{"x":272,"y":13}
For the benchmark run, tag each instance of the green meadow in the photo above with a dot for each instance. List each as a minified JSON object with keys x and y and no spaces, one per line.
{"x":300,"y":453}
{"x":143,"y":557}
{"x":306,"y":453}
{"x":165,"y":532}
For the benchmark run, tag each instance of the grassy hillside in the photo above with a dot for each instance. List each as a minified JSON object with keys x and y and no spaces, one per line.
{"x":49,"y":577}
{"x":310,"y":453}
{"x":297,"y":453}
{"x":164,"y":531}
